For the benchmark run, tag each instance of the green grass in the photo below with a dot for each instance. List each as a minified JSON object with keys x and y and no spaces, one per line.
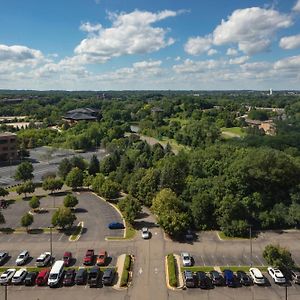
{"x":173,"y":143}
{"x":235,"y":130}
{"x":126,"y":269}
{"x":76,"y":232}
{"x":129,"y":234}
{"x":223,"y":236}
{"x":198,"y":268}
{"x":172,"y":270}
{"x":244,"y":268}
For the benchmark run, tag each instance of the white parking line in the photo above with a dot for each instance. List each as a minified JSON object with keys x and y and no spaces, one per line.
{"x":61,"y":236}
{"x":259,"y":260}
{"x":202,"y":260}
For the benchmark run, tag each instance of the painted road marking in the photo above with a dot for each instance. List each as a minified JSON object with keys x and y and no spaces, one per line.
{"x":140,"y":271}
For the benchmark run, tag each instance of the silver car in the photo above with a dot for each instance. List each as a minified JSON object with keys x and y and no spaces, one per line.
{"x":22,"y":258}
{"x":19,"y":276}
{"x":6,"y":276}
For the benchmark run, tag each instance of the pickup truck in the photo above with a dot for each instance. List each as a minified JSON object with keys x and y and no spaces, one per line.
{"x":89,"y":257}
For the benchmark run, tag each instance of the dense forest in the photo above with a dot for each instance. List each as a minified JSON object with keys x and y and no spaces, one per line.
{"x":212,"y":182}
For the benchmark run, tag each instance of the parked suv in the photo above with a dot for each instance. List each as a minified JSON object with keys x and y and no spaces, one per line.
{"x":6,"y":276}
{"x":81,"y":276}
{"x":94,"y":276}
{"x":203,"y":280}
{"x":22,"y":258}
{"x":89,"y":257}
{"x":229,"y":278}
{"x":30,"y":278}
{"x":295,"y":275}
{"x":67,"y":258}
{"x":42,"y":277}
{"x":257,"y":276}
{"x":277,"y":275}
{"x":108,"y":277}
{"x":189,"y":279}
{"x":216,"y":278}
{"x":19,"y":276}
{"x":186,"y":259}
{"x":44,"y":259}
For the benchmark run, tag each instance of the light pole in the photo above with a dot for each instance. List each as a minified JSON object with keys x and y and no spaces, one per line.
{"x":5,"y":292}
{"x":286,"y":292}
{"x":51,"y":243}
{"x":250,"y":235}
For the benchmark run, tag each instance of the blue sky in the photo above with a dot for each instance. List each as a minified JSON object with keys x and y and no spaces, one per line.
{"x":142,"y":44}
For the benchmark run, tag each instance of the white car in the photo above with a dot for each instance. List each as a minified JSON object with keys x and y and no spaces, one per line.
{"x":19,"y":276}
{"x":276,"y":274}
{"x":6,"y":276}
{"x":186,"y":259}
{"x":44,"y":259}
{"x":22,"y":258}
{"x":257,"y":276}
{"x":145,"y":233}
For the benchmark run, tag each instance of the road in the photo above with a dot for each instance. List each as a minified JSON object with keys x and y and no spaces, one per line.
{"x":43,"y":164}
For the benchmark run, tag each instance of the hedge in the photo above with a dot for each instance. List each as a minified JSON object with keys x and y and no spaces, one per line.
{"x":172,"y":270}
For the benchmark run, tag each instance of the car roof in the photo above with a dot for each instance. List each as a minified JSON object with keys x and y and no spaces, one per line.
{"x":23,"y":252}
{"x":144,"y":229}
{"x":67,"y":253}
{"x":102,"y":252}
{"x":19,"y":272}
{"x":2,"y":253}
{"x":43,"y":272}
{"x":256,"y":272}
{"x":81,"y":271}
{"x":108,"y":271}
{"x":9,"y":270}
{"x":185,"y":254}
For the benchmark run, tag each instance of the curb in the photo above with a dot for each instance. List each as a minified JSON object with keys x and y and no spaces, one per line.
{"x":81,"y":224}
{"x":178,"y":288}
{"x":117,"y":286}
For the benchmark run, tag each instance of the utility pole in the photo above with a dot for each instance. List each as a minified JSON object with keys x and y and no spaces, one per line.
{"x":286,"y":292}
{"x":5,"y":292}
{"x":51,"y":243}
{"x":250,"y":233}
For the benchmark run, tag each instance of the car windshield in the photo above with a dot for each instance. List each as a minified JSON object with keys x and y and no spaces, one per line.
{"x":53,"y":276}
{"x":101,"y":256}
{"x":21,"y":255}
{"x":186,"y":257}
{"x":69,"y":275}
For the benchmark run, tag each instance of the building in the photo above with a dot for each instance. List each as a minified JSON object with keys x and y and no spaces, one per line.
{"x":267,"y":126}
{"x":8,"y":147}
{"x":81,"y":114}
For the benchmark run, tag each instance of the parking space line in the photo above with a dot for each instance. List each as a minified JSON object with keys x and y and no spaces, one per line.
{"x":259,"y":260}
{"x":203,"y":260}
{"x":61,"y":236}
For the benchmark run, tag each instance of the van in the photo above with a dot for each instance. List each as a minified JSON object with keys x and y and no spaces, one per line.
{"x":257,"y":276}
{"x":56,"y":273}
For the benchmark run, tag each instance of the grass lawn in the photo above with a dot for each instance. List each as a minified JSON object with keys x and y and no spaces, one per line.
{"x":75,"y":235}
{"x":175,"y":146}
{"x":230,"y":132}
{"x":198,"y":268}
{"x":129,"y":234}
{"x":222,"y":236}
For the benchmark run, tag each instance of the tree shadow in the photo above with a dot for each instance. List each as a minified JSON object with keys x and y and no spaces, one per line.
{"x":138,"y":225}
{"x":80,"y":210}
{"x":7,"y":230}
{"x":142,"y":215}
{"x":35,"y":231}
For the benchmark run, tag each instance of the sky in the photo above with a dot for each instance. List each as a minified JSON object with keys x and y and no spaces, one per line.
{"x":150,"y":44}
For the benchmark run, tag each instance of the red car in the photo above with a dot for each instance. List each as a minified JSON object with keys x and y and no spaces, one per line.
{"x":67,"y":258}
{"x":89,"y":257}
{"x":102,"y":257}
{"x":42,"y":277}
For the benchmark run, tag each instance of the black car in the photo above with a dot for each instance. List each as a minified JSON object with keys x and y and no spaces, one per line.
{"x":216,"y":278}
{"x":93,"y":277}
{"x":203,"y":281}
{"x":30,"y":278}
{"x":189,"y":279}
{"x":243,"y":278}
{"x":3,"y":257}
{"x":295,"y":276}
{"x":108,"y":276}
{"x":69,"y":278}
{"x":81,"y":276}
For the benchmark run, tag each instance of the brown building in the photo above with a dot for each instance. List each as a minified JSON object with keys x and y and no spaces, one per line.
{"x":8,"y":146}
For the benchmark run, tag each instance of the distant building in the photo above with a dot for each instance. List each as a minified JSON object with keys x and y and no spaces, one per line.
{"x":81,"y":114}
{"x":268,"y":126}
{"x":271,"y":92}
{"x":8,"y":146}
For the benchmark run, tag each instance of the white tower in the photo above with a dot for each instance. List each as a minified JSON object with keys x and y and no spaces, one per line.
{"x":271,"y":92}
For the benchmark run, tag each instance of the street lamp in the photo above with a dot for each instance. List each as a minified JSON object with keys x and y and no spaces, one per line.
{"x":250,"y":236}
{"x":51,"y":242}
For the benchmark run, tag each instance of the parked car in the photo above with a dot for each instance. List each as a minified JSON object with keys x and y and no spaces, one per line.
{"x":243,"y":278}
{"x":102,"y":257}
{"x":44,"y":259}
{"x":89,"y":257}
{"x":189,"y":279}
{"x":257,"y":276}
{"x":67,"y":258}
{"x":277,"y":275}
{"x":145,"y":233}
{"x":3,"y":257}
{"x":30,"y":278}
{"x":108,"y":276}
{"x":7,"y":276}
{"x":202,"y":280}
{"x":229,"y":278}
{"x":116,"y":225}
{"x":295,"y":276}
{"x":3,"y":204}
{"x":22,"y":258}
{"x":42,"y":277}
{"x":81,"y":276}
{"x":19,"y":276}
{"x":216,"y":278}
{"x":94,"y":276}
{"x":69,"y":278}
{"x":186,"y":259}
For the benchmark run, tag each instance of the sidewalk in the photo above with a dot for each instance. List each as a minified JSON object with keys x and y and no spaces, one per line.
{"x":120,"y":267}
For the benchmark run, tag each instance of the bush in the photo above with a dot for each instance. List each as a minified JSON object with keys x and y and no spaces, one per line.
{"x":125,"y":273}
{"x":172,"y":270}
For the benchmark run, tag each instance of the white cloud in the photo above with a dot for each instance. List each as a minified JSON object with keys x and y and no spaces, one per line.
{"x":189,"y":66}
{"x":90,"y":28}
{"x":19,"y":54}
{"x":178,"y":58}
{"x":238,"y":60}
{"x":232,"y":52}
{"x":198,"y":45}
{"x":251,"y":28}
{"x":211,"y":52}
{"x":130,"y":33}
{"x":290,"y":42}
{"x":297,"y":6}
{"x":289,"y":64}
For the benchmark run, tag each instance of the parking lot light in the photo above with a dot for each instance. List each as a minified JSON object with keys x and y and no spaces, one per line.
{"x":50,"y":227}
{"x":250,"y":236}
{"x":5,"y":292}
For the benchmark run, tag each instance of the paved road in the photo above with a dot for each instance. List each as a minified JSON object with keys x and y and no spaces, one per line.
{"x":42,"y":164}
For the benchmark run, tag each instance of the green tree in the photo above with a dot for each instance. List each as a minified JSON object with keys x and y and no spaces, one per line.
{"x":64,"y":168}
{"x":75,"y":178}
{"x":63,"y":217}
{"x":97,"y":183}
{"x":25,"y":188}
{"x":130,"y":208}
{"x":107,"y":165}
{"x":34,"y":202}
{"x":109,"y":189}
{"x":94,"y":166}
{"x":24,"y":171}
{"x":3,"y":192}
{"x":26,"y":220}
{"x":70,"y":201}
{"x":52,"y":184}
{"x":78,"y":162}
{"x":278,"y":256}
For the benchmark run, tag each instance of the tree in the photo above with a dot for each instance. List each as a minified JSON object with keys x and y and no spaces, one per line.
{"x":107,"y":165}
{"x":3,"y":192}
{"x":26,"y":220}
{"x":52,"y":184}
{"x":78,"y":162}
{"x":64,"y":168}
{"x":24,"y":171}
{"x":94,"y":165}
{"x":63,"y":217}
{"x":70,"y":201}
{"x":26,"y":187}
{"x":34,"y":202}
{"x":97,"y":183}
{"x":130,"y":208}
{"x":278,"y":256}
{"x":74,"y":178}
{"x":109,"y":189}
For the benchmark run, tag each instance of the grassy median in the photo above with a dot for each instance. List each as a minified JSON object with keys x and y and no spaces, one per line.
{"x":126,"y":269}
{"x":172,"y":270}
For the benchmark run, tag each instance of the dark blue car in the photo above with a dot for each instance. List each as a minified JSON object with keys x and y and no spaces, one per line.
{"x":229,"y":278}
{"x":116,"y":225}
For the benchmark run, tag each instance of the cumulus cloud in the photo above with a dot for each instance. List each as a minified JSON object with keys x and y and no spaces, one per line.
{"x":211,"y":52}
{"x":90,"y":28}
{"x":19,"y":54}
{"x":130,"y":33}
{"x":252,"y":29}
{"x":232,"y":52}
{"x":289,"y":63}
{"x":290,"y":42}
{"x":297,"y":6}
{"x":189,"y":66}
{"x":238,"y":60}
{"x":198,"y":45}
